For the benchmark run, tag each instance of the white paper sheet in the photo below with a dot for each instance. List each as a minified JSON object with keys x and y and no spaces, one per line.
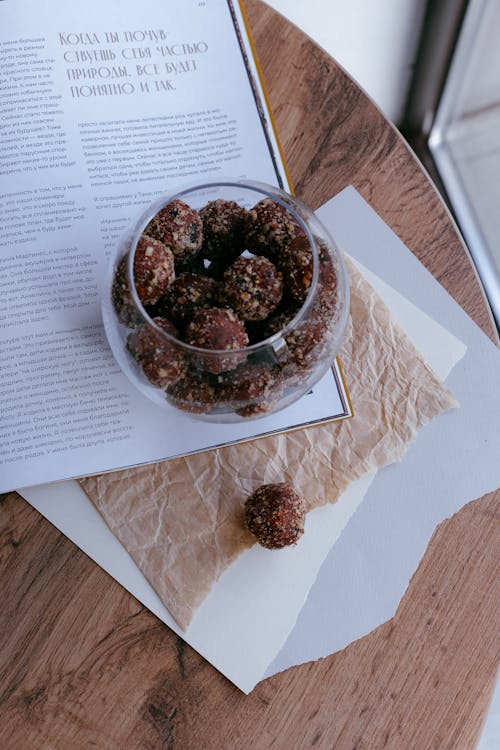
{"x":456,"y":459}
{"x":246,"y":618}
{"x":242,"y":640}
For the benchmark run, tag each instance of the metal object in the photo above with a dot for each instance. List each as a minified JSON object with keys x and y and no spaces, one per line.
{"x":451,"y":35}
{"x":442,"y":149}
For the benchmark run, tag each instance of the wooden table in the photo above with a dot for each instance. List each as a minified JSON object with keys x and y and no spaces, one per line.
{"x":84,"y":665}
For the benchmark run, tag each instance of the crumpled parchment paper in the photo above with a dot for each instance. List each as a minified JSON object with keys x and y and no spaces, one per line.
{"x":182,"y":520}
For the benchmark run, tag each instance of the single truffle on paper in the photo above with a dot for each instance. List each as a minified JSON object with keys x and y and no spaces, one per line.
{"x":160,"y":359}
{"x":223,"y":230}
{"x":275,"y":515}
{"x":217,"y":328}
{"x":179,"y":227}
{"x":252,"y":287}
{"x":269,"y":228}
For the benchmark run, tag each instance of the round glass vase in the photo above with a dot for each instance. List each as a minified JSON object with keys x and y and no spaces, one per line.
{"x":288,"y":351}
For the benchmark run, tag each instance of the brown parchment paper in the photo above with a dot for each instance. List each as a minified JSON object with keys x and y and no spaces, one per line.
{"x":182,"y":520}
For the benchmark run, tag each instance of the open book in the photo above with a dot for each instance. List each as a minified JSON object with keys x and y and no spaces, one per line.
{"x":104,"y":108}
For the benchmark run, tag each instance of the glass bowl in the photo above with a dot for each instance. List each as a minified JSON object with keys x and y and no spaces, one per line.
{"x":240,"y":328}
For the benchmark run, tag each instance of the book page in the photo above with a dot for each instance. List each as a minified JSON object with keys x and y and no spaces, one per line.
{"x":104,"y":108}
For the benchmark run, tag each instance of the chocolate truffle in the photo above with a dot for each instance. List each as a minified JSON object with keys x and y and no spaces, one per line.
{"x":251,"y":388}
{"x":327,"y":283}
{"x":269,"y":228}
{"x":275,"y":514}
{"x":280,"y":319}
{"x":305,"y":341}
{"x":296,"y":264}
{"x":193,"y":393}
{"x":153,"y":275}
{"x":179,"y":227}
{"x":191,"y":292}
{"x":252,"y":287}
{"x":305,"y":344}
{"x":161,"y":360}
{"x":223,"y":230}
{"x":217,"y":328}
{"x":153,"y":270}
{"x":121,"y":296}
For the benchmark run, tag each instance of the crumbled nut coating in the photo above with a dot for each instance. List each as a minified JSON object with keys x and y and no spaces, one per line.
{"x":217,"y":328}
{"x":160,"y":360}
{"x":269,"y":228}
{"x":194,"y":393}
{"x":252,"y":388}
{"x":191,"y":292}
{"x":154,"y":270}
{"x":179,"y":227}
{"x":327,"y":283}
{"x":252,"y":287}
{"x":121,"y":296}
{"x":275,"y":515}
{"x":296,"y":264}
{"x":305,"y":341}
{"x":223,"y":230}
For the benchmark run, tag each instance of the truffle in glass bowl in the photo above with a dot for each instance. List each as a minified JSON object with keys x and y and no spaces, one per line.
{"x":226,"y":300}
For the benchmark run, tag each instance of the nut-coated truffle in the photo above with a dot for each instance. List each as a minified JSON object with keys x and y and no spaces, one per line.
{"x":305,"y":341}
{"x":269,"y":228}
{"x":327,"y":283}
{"x":191,"y":292}
{"x":121,"y":296}
{"x":252,"y":287}
{"x":297,"y":266}
{"x":275,"y":515}
{"x":223,"y":230}
{"x":153,"y":276}
{"x":217,"y":328}
{"x":252,"y":388}
{"x":179,"y":227}
{"x":154,"y":270}
{"x":160,"y":359}
{"x":193,"y":393}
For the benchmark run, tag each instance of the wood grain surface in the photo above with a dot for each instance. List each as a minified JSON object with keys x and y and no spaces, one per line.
{"x":84,"y":665}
